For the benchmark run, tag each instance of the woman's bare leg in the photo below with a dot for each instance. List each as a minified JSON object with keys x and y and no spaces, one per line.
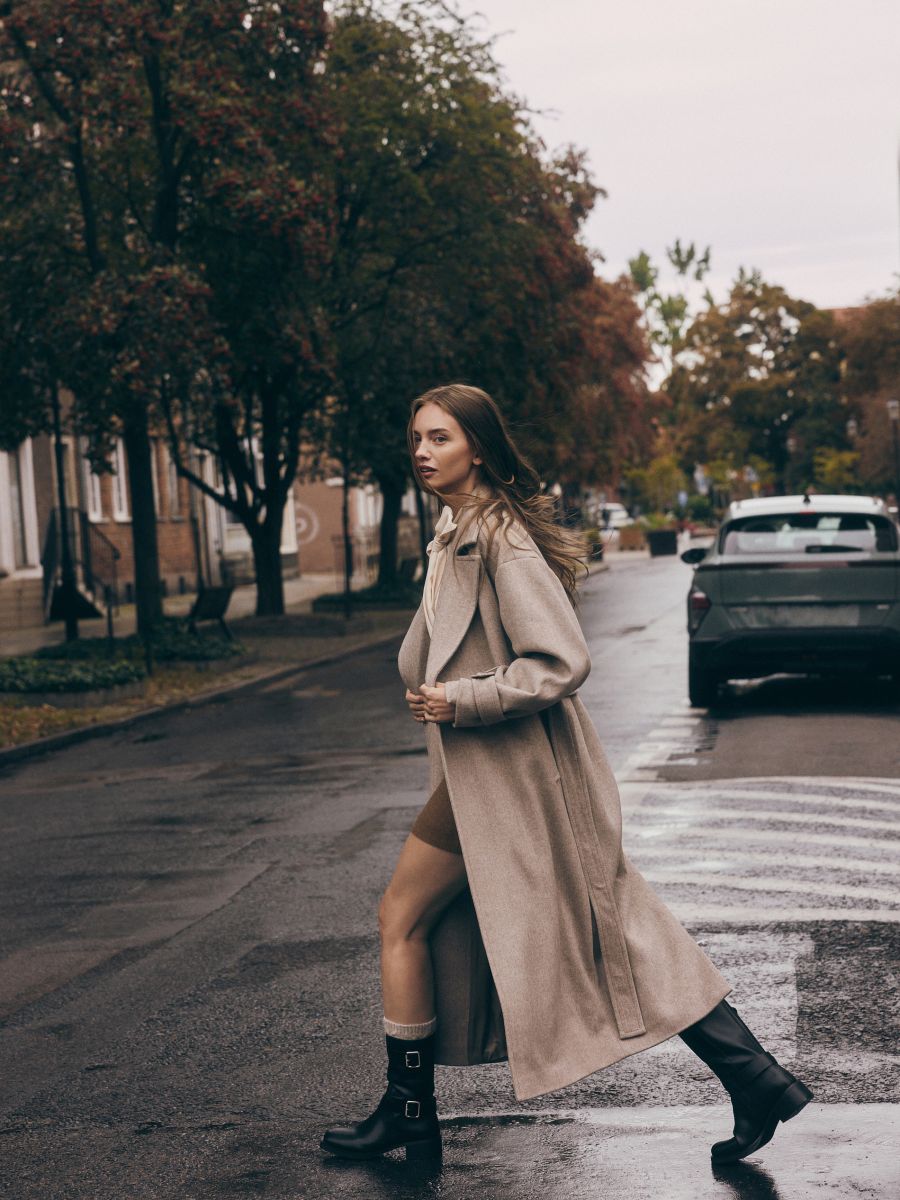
{"x":424,"y":882}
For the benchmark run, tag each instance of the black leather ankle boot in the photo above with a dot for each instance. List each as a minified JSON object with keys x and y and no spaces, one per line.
{"x":406,"y":1114}
{"x":762,"y":1092}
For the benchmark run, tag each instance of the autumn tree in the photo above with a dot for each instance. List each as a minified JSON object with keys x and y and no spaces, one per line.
{"x":182,"y":145}
{"x":605,"y":427}
{"x":457,"y":257}
{"x":757,"y":370}
{"x":428,"y":188}
{"x":870,"y":338}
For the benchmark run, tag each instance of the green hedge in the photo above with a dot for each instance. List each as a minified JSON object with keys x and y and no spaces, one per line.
{"x":40,"y":675}
{"x":89,"y":664}
{"x":173,"y":642}
{"x":176,"y":643}
{"x":400,"y":595}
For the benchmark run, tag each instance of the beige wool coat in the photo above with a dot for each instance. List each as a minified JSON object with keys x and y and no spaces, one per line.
{"x":558,"y":957}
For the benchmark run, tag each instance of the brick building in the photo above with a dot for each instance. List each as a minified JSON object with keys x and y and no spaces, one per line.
{"x":21,"y":574}
{"x":190,"y":527}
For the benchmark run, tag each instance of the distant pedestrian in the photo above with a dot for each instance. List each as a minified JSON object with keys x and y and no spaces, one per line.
{"x":514,"y":927}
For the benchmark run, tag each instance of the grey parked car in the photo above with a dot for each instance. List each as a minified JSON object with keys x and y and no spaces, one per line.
{"x":800,"y":584}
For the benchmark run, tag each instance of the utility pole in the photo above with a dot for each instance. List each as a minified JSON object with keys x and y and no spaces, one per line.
{"x":67,"y":567}
{"x":893,"y":407}
{"x":195,"y":501}
{"x":791,"y":446}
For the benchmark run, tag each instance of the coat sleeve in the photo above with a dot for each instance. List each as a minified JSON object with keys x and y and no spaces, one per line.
{"x":552,"y":656}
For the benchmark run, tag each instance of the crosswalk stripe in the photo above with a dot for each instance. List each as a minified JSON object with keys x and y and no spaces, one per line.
{"x":743,"y":914}
{"x":799,"y":797}
{"x":864,"y":783}
{"x":775,"y":837}
{"x":700,"y":844}
{"x":758,"y":814}
{"x":772,"y":883}
{"x":781,"y":858}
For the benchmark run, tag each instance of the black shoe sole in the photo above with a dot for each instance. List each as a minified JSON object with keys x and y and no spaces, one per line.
{"x":792,"y":1100}
{"x":415,"y":1151}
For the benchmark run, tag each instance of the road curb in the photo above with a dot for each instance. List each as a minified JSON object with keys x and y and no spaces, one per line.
{"x":71,"y":737}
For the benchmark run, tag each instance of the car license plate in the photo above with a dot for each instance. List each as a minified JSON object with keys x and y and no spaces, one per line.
{"x":781,"y":616}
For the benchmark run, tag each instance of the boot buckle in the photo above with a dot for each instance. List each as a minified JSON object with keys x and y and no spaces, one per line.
{"x":415,"y":1114}
{"x":413,"y":1054}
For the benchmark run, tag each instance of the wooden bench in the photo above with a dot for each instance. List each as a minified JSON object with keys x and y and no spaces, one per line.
{"x":211,"y":605}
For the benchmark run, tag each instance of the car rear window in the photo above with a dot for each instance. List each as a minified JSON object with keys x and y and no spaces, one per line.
{"x":808,"y":533}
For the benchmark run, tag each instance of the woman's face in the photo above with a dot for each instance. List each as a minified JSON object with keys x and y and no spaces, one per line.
{"x":441,"y":445}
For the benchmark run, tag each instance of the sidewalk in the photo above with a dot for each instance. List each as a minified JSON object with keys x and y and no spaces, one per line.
{"x":299,"y":594}
{"x":298,"y":597}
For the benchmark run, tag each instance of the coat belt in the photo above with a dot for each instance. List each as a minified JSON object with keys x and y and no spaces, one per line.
{"x":617,"y":965}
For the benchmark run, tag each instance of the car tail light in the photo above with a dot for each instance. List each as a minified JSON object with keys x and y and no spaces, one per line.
{"x":699,"y":605}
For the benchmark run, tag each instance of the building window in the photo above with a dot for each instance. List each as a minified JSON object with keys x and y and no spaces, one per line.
{"x":154,"y":449}
{"x":90,"y":481}
{"x":173,"y":498}
{"x":19,"y":548}
{"x":368,"y":505}
{"x":121,"y":511}
{"x":408,"y":504}
{"x":17,"y":507}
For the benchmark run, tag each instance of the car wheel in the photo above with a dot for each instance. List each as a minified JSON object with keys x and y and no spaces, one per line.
{"x":703,"y":684}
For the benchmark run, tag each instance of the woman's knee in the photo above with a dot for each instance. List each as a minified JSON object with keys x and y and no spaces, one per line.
{"x":398,"y":920}
{"x":424,"y":882}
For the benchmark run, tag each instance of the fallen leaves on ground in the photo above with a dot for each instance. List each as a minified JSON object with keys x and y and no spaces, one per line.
{"x":24,"y":724}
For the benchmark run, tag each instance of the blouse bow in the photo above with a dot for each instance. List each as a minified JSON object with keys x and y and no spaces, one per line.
{"x":443,"y":530}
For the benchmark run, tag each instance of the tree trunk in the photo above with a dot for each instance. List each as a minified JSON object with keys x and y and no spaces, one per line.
{"x":147,"y":589}
{"x":348,"y":546}
{"x":392,"y":490}
{"x":266,"y":542}
{"x":425,"y":533}
{"x":570,"y":504}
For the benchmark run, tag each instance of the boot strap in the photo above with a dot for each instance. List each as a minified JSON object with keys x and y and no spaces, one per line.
{"x":753,"y":1071}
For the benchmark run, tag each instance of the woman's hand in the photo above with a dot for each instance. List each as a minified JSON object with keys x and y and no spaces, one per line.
{"x":416,"y":704}
{"x":430,"y":704}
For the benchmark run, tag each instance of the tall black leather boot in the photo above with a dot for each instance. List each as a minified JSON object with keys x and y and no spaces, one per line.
{"x":406,"y":1114}
{"x":762,"y":1092}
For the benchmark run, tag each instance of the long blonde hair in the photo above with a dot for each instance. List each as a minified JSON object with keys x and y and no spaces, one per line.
{"x":514,"y":482}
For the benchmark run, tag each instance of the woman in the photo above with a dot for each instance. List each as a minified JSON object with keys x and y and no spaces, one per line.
{"x":514,"y":927}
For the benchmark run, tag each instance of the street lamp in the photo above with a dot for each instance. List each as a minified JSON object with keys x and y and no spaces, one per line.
{"x":791,"y":445}
{"x":893,"y":407}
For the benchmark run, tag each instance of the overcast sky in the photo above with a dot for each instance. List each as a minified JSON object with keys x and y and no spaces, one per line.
{"x":767,"y":129}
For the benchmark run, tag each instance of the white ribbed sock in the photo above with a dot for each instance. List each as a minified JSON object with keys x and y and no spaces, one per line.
{"x":409,"y":1032}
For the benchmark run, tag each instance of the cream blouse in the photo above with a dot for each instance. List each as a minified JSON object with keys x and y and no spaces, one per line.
{"x":437,"y":556}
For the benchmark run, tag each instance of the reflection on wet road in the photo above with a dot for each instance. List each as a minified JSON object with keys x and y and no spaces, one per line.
{"x":190,"y":974}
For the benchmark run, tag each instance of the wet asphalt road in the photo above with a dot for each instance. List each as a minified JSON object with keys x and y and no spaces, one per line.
{"x":189,"y":978}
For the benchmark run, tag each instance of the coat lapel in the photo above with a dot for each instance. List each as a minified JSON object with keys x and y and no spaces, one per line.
{"x":457,"y":601}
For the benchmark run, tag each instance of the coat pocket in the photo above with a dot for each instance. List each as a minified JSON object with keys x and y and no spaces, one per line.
{"x":485,"y":674}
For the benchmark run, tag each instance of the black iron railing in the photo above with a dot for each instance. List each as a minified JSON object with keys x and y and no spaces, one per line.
{"x":98,"y":561}
{"x":94,"y":558}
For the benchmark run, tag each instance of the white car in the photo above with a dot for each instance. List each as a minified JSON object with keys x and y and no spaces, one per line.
{"x":617,"y":513}
{"x":800,"y":584}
